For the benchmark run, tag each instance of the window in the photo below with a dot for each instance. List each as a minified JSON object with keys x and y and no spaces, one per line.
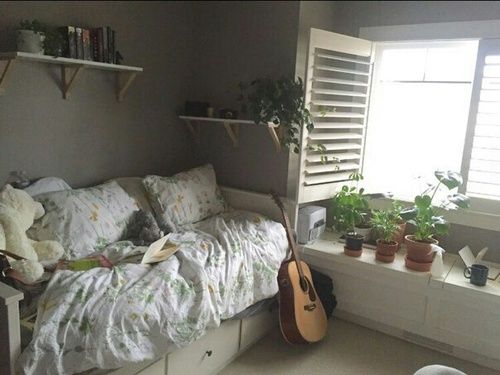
{"x":397,"y":111}
{"x":419,"y":108}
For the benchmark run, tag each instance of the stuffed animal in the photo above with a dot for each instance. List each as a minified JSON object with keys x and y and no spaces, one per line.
{"x":144,"y":229}
{"x":17,"y":213}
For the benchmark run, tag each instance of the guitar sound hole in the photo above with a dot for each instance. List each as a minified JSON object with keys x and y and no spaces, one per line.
{"x":304,"y":285}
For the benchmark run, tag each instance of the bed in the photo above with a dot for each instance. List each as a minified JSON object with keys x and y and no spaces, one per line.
{"x":112,"y":318}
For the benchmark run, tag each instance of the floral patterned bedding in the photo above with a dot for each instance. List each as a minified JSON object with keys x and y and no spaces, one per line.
{"x":106,"y":319}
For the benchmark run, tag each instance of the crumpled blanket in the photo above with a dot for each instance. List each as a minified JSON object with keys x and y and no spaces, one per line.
{"x":107,"y":318}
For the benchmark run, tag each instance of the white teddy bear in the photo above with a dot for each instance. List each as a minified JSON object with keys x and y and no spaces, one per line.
{"x":17,"y":213}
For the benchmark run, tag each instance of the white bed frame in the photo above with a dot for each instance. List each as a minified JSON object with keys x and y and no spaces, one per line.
{"x":10,"y":333}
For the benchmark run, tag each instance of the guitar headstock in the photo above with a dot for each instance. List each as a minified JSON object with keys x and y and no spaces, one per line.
{"x":277,"y":200}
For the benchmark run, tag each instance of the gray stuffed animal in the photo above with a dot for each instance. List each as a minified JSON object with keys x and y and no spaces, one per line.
{"x":144,"y":229}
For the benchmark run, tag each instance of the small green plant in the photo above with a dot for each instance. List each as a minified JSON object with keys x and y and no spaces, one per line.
{"x":348,"y":206}
{"x":33,"y":25}
{"x":423,"y":214}
{"x":385,"y":225}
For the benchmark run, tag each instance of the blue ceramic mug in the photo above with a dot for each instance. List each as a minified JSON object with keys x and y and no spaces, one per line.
{"x":477,"y":273}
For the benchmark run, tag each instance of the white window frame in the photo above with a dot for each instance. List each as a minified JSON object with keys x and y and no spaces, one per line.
{"x":484,"y":213}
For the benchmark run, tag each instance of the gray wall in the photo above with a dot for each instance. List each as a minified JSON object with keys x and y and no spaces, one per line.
{"x":351,"y":15}
{"x":92,"y":137}
{"x":241,"y":41}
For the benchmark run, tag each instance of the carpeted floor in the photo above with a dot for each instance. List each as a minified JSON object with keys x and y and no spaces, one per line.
{"x":348,"y":349}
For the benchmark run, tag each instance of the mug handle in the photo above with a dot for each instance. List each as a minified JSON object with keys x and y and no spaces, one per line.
{"x":467,"y":272}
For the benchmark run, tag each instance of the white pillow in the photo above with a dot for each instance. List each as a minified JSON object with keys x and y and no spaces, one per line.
{"x":47,"y":185}
{"x":134,"y":187}
{"x":84,"y":220}
{"x":185,"y":198}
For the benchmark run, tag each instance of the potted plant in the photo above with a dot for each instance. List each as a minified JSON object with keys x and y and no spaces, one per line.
{"x":30,"y":36}
{"x":424,"y":217}
{"x":385,"y":225}
{"x":364,"y":225}
{"x":347,"y":208}
{"x":395,"y":212}
{"x":279,"y":103}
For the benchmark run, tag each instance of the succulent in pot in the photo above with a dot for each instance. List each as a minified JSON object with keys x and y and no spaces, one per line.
{"x":427,"y":221}
{"x":385,"y":225}
{"x":348,"y":206}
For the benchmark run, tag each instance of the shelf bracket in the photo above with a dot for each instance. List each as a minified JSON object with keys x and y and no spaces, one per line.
{"x":69,"y":74}
{"x":4,"y":73}
{"x":124,"y":80}
{"x":194,"y":130}
{"x":275,"y":134}
{"x":232,"y":130}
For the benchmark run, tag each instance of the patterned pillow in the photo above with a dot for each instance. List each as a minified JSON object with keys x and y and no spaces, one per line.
{"x":185,"y":198}
{"x":84,"y":220}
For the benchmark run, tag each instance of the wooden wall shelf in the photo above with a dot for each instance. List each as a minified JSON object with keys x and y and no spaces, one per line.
{"x":70,"y":70}
{"x":231,"y":126}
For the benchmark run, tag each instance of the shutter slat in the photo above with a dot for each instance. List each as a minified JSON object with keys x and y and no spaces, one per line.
{"x":338,"y":92}
{"x":337,"y":114}
{"x":331,"y":167}
{"x":341,"y":146}
{"x":339,"y":58}
{"x":346,"y":82}
{"x":337,"y":125}
{"x":341,"y":70}
{"x":333,"y":103}
{"x":334,"y":136}
{"x":339,"y":156}
{"x":332,"y":177}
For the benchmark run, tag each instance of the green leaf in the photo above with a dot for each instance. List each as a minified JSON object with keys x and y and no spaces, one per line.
{"x":423,"y":201}
{"x":449,"y":179}
{"x":460,"y":200}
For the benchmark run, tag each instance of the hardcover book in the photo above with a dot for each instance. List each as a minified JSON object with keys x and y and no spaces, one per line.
{"x":79,"y":42}
{"x":104,"y":45}
{"x":87,"y":51}
{"x":69,"y":41}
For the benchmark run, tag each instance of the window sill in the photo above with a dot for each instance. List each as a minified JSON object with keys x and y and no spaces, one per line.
{"x":469,"y":218}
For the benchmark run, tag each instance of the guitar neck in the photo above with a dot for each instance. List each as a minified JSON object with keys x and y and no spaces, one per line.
{"x":292,"y":243}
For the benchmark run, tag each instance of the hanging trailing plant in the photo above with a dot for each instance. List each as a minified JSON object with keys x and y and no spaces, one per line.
{"x":279,"y":102}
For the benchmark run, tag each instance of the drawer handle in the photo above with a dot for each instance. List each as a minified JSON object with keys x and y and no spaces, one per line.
{"x":208,"y":353}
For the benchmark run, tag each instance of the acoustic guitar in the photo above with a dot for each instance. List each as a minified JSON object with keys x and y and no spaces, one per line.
{"x":301,"y":314}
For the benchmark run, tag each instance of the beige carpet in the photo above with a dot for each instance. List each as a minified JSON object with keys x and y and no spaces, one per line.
{"x":348,"y":349}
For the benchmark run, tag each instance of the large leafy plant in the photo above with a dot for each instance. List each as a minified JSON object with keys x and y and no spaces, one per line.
{"x":424,"y":216}
{"x":279,"y":102}
{"x":349,"y":206}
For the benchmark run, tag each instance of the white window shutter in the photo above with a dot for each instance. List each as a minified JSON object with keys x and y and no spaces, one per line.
{"x":337,"y":89}
{"x":481,"y":161}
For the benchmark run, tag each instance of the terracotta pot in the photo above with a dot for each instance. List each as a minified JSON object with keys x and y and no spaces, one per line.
{"x":353,"y":253}
{"x":399,"y":236}
{"x":420,"y":252}
{"x":385,"y":251}
{"x":354,"y":241}
{"x":416,"y":266}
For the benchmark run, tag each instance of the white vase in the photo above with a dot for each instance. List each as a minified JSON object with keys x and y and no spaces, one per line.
{"x":30,"y":41}
{"x":365,"y":232}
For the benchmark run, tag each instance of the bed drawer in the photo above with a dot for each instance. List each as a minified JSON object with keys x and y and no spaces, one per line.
{"x":257,"y":326}
{"x":207,"y":355}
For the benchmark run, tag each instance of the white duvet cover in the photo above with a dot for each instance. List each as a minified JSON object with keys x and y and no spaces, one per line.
{"x":106,"y":318}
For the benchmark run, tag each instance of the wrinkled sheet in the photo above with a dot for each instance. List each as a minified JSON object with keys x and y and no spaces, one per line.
{"x":106,"y":319}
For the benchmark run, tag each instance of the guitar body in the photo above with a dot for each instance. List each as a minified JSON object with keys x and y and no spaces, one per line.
{"x":302,"y":317}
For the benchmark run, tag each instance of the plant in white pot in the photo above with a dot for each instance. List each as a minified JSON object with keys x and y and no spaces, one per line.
{"x":30,"y":37}
{"x":424,"y":217}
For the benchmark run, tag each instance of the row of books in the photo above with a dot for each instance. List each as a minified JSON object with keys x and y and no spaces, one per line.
{"x":95,"y":44}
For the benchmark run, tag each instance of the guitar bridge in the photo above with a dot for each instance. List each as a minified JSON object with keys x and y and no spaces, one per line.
{"x":310,"y":307}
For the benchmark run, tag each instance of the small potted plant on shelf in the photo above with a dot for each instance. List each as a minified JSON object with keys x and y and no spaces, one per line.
{"x":428,"y":222}
{"x":30,"y":37}
{"x":385,"y":225}
{"x":364,"y":225}
{"x":347,"y":208}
